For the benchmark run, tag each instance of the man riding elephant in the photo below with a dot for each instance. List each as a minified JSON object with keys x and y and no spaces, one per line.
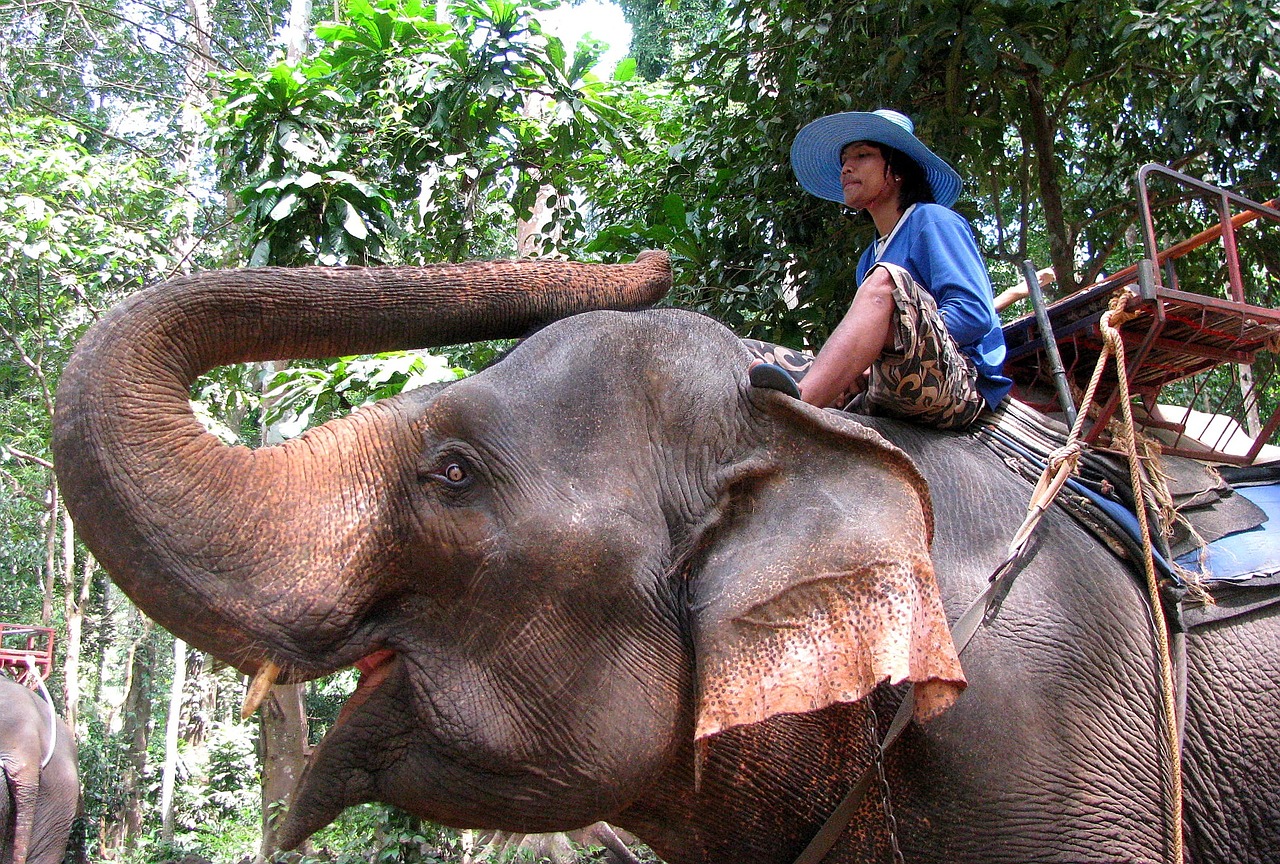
{"x":922,"y":339}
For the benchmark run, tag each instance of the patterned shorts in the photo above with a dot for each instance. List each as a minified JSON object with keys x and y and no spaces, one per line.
{"x":925,"y":378}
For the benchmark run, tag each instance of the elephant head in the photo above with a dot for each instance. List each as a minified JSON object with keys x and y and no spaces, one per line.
{"x":556,"y":574}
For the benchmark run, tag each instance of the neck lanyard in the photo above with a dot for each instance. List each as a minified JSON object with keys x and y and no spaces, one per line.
{"x":883,"y":243}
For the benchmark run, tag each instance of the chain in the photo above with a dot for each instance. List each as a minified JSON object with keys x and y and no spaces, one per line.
{"x":873,"y":733}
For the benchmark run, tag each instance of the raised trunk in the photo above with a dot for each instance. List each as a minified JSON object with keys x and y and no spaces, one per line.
{"x":219,"y":544}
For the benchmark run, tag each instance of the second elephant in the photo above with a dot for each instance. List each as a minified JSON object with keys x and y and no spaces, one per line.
{"x":37,"y":805}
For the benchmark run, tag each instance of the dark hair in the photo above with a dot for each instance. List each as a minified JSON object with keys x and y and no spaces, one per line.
{"x":915,"y":187}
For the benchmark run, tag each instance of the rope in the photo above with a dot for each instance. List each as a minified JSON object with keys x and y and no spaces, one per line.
{"x":1109,"y":324}
{"x":1062,"y":464}
{"x":1170,"y":517}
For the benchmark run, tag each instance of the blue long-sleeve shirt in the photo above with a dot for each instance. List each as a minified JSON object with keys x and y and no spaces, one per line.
{"x":936,"y":246}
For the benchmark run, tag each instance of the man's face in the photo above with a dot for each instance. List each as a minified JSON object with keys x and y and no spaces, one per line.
{"x":865,"y":177}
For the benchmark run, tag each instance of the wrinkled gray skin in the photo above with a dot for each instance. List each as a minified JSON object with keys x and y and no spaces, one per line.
{"x":533,"y":545}
{"x":37,"y":806}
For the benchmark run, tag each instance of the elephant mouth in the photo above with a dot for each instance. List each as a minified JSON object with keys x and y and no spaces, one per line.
{"x":374,"y":669}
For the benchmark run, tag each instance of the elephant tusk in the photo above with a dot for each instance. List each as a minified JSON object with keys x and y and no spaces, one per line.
{"x":262,"y":683}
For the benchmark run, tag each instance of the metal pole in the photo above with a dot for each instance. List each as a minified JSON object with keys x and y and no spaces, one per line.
{"x":1050,"y":343}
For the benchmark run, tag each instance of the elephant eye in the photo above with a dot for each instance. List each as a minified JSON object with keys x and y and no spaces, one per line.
{"x":453,"y":472}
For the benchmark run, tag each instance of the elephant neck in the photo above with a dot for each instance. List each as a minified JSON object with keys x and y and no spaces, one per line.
{"x":757,"y":793}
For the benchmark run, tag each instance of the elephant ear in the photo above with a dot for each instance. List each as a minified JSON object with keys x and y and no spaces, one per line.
{"x":817,"y":584}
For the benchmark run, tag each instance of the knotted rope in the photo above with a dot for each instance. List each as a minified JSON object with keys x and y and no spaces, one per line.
{"x":1062,"y":464}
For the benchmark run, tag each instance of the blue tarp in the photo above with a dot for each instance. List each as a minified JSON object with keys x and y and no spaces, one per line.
{"x":1245,"y":554}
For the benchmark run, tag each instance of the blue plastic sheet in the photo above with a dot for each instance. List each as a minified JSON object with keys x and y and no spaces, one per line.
{"x":1242,"y":556}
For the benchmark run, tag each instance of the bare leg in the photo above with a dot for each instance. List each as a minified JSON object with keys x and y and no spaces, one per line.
{"x":860,"y":337}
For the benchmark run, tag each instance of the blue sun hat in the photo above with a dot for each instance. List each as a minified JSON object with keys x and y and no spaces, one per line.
{"x":815,"y":154}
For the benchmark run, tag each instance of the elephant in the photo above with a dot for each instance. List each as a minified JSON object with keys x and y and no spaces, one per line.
{"x":38,"y":804}
{"x":605,"y":579}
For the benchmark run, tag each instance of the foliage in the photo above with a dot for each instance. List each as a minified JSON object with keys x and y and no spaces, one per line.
{"x":218,"y":813}
{"x":663,"y":30}
{"x":117,"y":68}
{"x":377,"y":833}
{"x":304,"y":396}
{"x":79,"y":228}
{"x":100,"y":766}
{"x":407,"y":138}
{"x":1046,"y":109}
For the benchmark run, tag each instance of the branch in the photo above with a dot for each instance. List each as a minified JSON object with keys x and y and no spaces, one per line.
{"x":152,"y":95}
{"x":200,"y":241}
{"x":26,"y":457}
{"x":1094,"y":267}
{"x":163,"y":37}
{"x":94,"y":129}
{"x":35,"y":368}
{"x":21,"y":490}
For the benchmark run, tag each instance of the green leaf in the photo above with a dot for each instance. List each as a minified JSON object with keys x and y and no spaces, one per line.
{"x":284,"y":207}
{"x":261,"y":253}
{"x":556,"y":52}
{"x":674,"y":210}
{"x":625,"y":70}
{"x":353,"y":223}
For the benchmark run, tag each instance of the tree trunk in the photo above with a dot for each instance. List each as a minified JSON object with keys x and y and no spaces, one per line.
{"x":110,"y":626}
{"x":283,"y":752}
{"x":1249,"y":400}
{"x":172,"y":724}
{"x":75,"y":601}
{"x":1044,"y":130}
{"x":50,"y":552}
{"x":127,"y":820}
{"x":196,"y":84}
{"x":296,"y":30}
{"x":203,"y":685}
{"x":534,"y":107}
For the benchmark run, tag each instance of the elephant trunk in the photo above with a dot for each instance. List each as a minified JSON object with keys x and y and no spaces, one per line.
{"x":232,"y":549}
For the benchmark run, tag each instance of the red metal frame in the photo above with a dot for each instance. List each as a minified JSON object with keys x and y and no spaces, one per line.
{"x":20,"y":644}
{"x":1160,"y":298}
{"x":1177,"y":333}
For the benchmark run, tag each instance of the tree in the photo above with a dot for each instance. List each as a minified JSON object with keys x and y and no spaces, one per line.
{"x":121,"y":70}
{"x":663,"y":31}
{"x":126,"y":821}
{"x":77,"y":230}
{"x":405,"y":137}
{"x":1047,"y":109}
{"x":173,"y":722}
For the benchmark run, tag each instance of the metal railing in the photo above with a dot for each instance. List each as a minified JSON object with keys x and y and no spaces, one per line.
{"x":25,"y":651}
